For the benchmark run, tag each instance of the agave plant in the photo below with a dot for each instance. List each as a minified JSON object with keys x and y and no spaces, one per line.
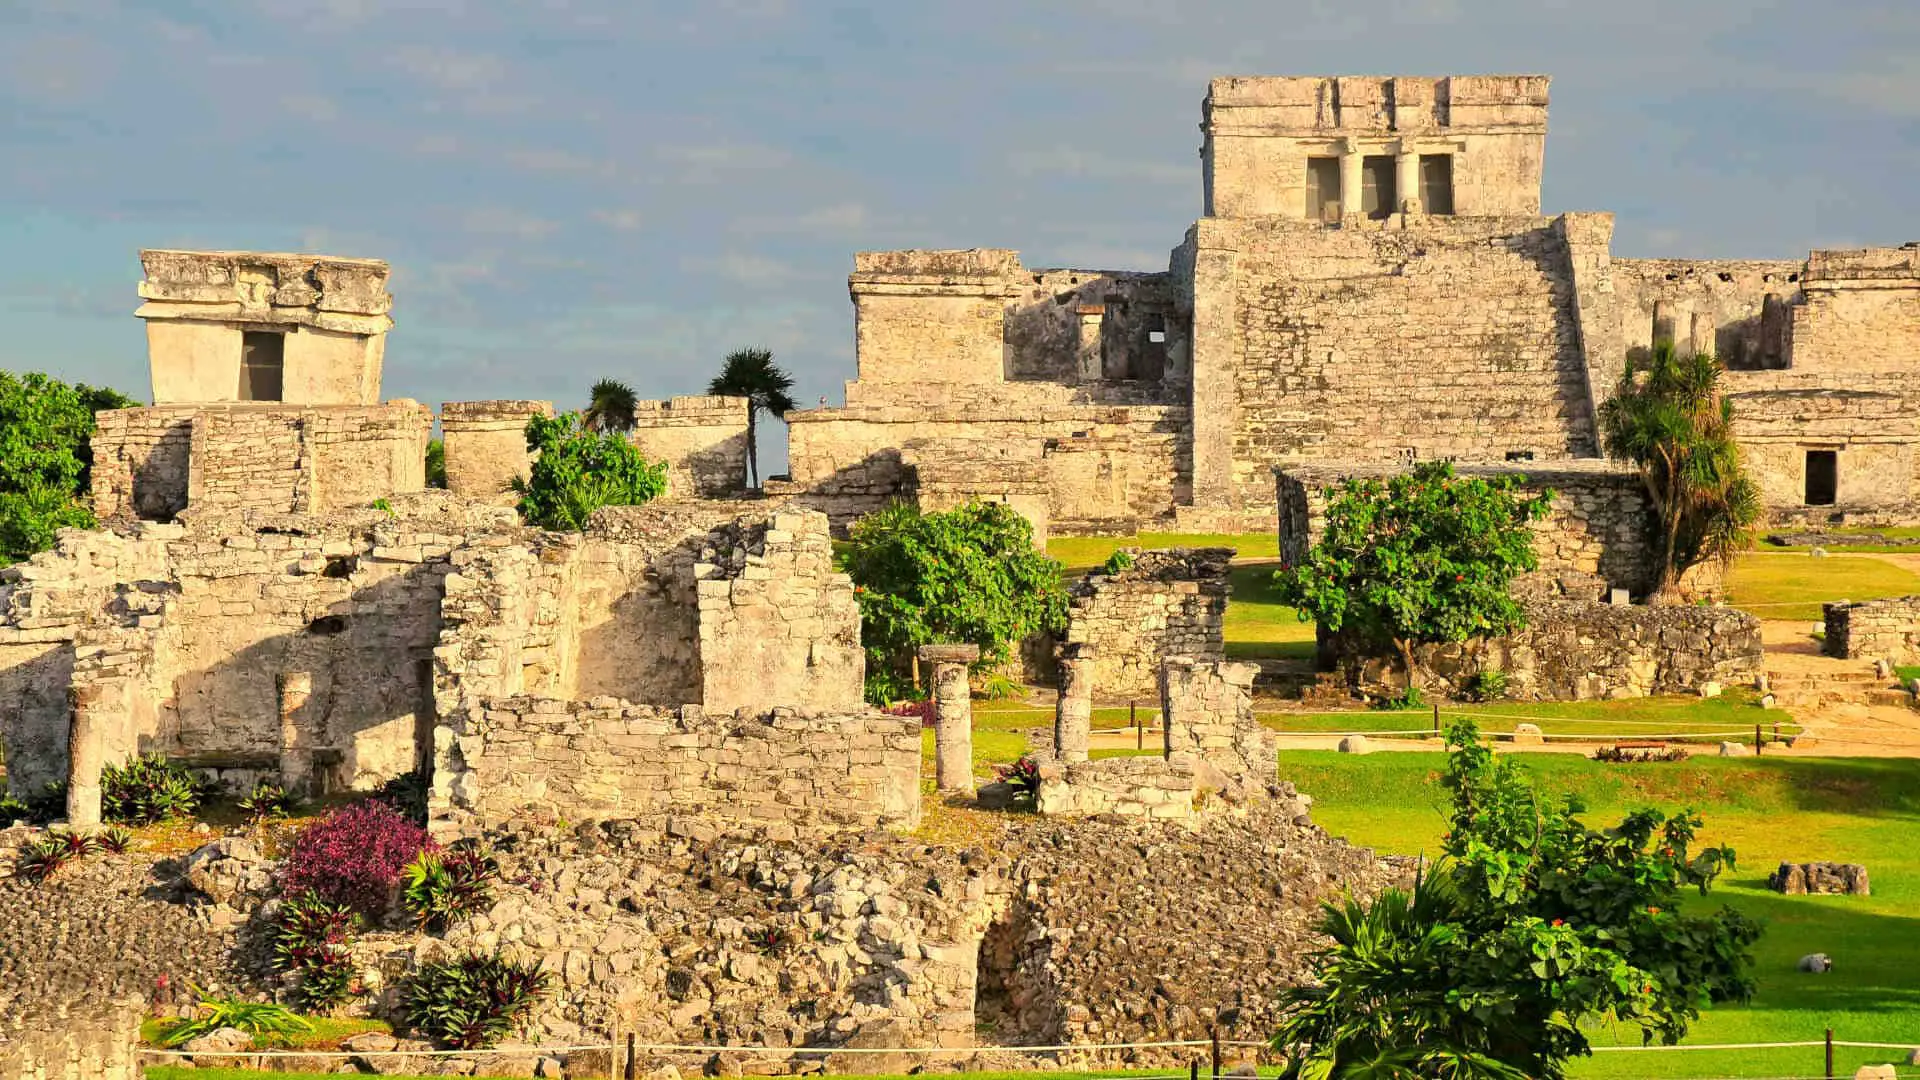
{"x":267,"y":801}
{"x":113,"y":840}
{"x":256,"y":1018}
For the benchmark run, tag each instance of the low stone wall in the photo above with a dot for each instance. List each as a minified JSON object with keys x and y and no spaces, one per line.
{"x":486,"y":446}
{"x":1572,"y":650}
{"x":703,"y":440}
{"x":1168,"y":603}
{"x":1874,"y":630}
{"x":502,"y":757}
{"x":95,"y":1045}
{"x":942,"y":475}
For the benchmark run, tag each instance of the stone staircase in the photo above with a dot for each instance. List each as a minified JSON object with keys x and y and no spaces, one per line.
{"x":1837,"y":683}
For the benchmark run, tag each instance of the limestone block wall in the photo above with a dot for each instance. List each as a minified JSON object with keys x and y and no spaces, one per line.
{"x":940,"y":476}
{"x":1168,"y":603}
{"x":1091,"y":326}
{"x":932,"y":316}
{"x":1870,"y":423}
{"x":703,"y":440}
{"x":1736,"y":309}
{"x":92,"y":1044}
{"x":1596,"y":535}
{"x":1206,"y":708}
{"x":486,"y":446}
{"x":1448,"y":337}
{"x":1861,"y":313}
{"x":1576,"y":650}
{"x":1874,"y":630}
{"x":501,"y":757}
{"x":155,"y":462}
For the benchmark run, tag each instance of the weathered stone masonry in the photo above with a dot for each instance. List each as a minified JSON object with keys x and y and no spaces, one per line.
{"x":1874,"y":630}
{"x":1167,"y":603}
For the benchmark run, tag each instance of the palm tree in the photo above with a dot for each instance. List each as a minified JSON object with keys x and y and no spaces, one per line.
{"x":1669,"y":420}
{"x":752,"y":374}
{"x":610,"y":407}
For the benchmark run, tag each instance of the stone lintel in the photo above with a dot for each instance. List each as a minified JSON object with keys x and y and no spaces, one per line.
{"x":949,"y":654}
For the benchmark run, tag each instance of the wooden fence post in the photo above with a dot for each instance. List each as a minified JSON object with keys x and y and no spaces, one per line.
{"x":1436,"y":719}
{"x":1759,"y":747}
{"x":1213,"y":1032}
{"x":1829,"y":1054}
{"x":633,"y":1069}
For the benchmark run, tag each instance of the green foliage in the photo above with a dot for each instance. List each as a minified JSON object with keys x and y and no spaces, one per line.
{"x":440,"y":888}
{"x":1023,"y":776}
{"x":885,"y":686}
{"x":1532,"y":925}
{"x":256,"y":1018}
{"x":1488,"y":685}
{"x":113,"y":840}
{"x":1118,"y":561}
{"x":268,"y":800}
{"x":752,"y":374}
{"x":45,"y":457}
{"x":312,"y":939}
{"x":147,"y":789}
{"x":1408,"y":698}
{"x":436,"y":463}
{"x":1001,"y":687}
{"x":1669,"y":420}
{"x":580,"y":471}
{"x":966,"y":575}
{"x":474,"y":1001}
{"x":1422,"y":556}
{"x":47,"y":855}
{"x":611,"y":408}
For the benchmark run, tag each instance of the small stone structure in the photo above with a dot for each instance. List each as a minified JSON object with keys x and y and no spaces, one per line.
{"x":702,"y":439}
{"x":1874,"y":630}
{"x":486,"y":446}
{"x":1167,"y":603}
{"x":1820,"y":878}
{"x":1574,"y":650}
{"x":952,"y":714}
{"x":1073,"y":708}
{"x":85,"y":1044}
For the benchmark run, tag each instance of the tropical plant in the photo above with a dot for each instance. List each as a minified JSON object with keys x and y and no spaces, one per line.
{"x":440,"y":888}
{"x":436,"y":463}
{"x":969,"y":575}
{"x":147,"y":789}
{"x":113,"y":840}
{"x":999,"y":686}
{"x":1487,"y":685}
{"x":579,"y":471}
{"x":354,"y":856}
{"x":312,"y":939}
{"x":752,"y":374}
{"x":48,"y":854}
{"x":1670,"y":421}
{"x":1532,"y":926}
{"x":473,"y":1001}
{"x":611,"y":408}
{"x":45,"y":458}
{"x":268,"y":800}
{"x":1422,"y":556}
{"x":1117,"y":562}
{"x":256,"y":1018}
{"x":1023,"y":776}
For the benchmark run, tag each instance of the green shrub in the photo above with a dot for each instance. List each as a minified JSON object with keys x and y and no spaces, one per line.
{"x":256,"y":1018}
{"x":147,"y":789}
{"x":886,"y":686}
{"x":1024,"y":777}
{"x":999,"y":687}
{"x":1488,"y":685}
{"x":113,"y":840}
{"x":1410,"y":698}
{"x":440,"y":888}
{"x":46,"y":428}
{"x":436,"y":463}
{"x":580,"y":471}
{"x":46,"y":856}
{"x":1117,"y":562}
{"x":268,"y":800}
{"x":312,"y":939}
{"x":474,"y":1001}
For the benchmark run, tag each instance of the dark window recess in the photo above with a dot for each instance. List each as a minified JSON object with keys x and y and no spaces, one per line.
{"x":1436,"y":183}
{"x":1323,"y":188}
{"x":1519,"y":455}
{"x":1823,"y":477}
{"x":263,"y":360}
{"x":340,"y":566}
{"x":1378,"y":198}
{"x":327,"y":625}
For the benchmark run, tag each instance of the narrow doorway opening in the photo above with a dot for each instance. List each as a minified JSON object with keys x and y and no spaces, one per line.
{"x":1323,"y":189}
{"x":1378,"y":195}
{"x":1823,"y":477}
{"x":262,"y":366}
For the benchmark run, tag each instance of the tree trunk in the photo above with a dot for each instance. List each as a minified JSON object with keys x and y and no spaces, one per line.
{"x":1406,"y":662}
{"x":1666,"y":588}
{"x":753,"y":455}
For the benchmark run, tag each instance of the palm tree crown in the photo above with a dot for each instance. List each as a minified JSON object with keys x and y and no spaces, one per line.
{"x":752,"y":374}
{"x":610,"y":407}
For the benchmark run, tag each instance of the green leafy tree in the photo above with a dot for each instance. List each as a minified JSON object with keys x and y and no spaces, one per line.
{"x":752,"y":374}
{"x":1532,"y":925}
{"x":611,"y":405}
{"x":579,"y":471}
{"x":966,"y":575}
{"x":45,"y":458}
{"x":1669,"y":419}
{"x":1423,"y":556}
{"x":436,"y":463}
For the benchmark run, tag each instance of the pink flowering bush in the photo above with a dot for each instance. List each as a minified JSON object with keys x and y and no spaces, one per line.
{"x":354,"y":856}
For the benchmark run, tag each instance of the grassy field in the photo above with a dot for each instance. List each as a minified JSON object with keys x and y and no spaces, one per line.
{"x":1788,"y":586}
{"x":1892,"y":532}
{"x":1082,"y":553}
{"x":1769,"y":810}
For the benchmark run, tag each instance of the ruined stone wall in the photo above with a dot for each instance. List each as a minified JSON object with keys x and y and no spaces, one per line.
{"x":1575,"y":650}
{"x":50,"y":1044}
{"x":932,"y":316}
{"x":940,"y":476}
{"x":1090,"y":326}
{"x":501,"y":757}
{"x":1861,"y":315}
{"x":1596,"y":534}
{"x":1874,"y":630}
{"x":703,"y":440}
{"x":1452,"y":337}
{"x":486,"y":446}
{"x":155,"y":462}
{"x":1736,"y":309}
{"x":1168,"y":603}
{"x":1870,"y":423}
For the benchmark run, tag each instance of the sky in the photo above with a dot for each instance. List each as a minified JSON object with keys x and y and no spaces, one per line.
{"x":571,"y":190}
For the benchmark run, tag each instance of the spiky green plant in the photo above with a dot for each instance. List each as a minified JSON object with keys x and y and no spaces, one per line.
{"x":256,"y":1018}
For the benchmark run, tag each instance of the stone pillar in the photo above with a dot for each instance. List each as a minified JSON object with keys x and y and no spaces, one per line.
{"x":1073,"y":715}
{"x":296,"y":741}
{"x":486,"y":445}
{"x":1703,"y":332}
{"x":1089,"y":360}
{"x":1215,"y":348}
{"x":952,"y":715}
{"x":1406,"y":180}
{"x":1350,"y":179}
{"x":1663,"y":327}
{"x":87,"y":750}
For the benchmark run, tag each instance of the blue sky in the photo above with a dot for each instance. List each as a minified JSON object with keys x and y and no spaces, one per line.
{"x":569,"y":189}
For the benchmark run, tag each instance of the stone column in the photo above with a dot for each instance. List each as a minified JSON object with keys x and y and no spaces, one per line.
{"x":1350,"y":179}
{"x":952,"y":715}
{"x":87,"y":738}
{"x":1406,"y":180}
{"x":1091,"y":368}
{"x":296,"y":742}
{"x":1073,"y":715}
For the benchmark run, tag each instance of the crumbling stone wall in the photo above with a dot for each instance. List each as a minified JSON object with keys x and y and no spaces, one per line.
{"x":1874,"y":630}
{"x":153,"y":463}
{"x":939,"y":476}
{"x":1735,"y":309}
{"x":1168,"y":603}
{"x":1597,"y":532}
{"x":486,"y":446}
{"x":1573,"y":650}
{"x":703,"y":440}
{"x":500,"y":757}
{"x":52,"y":1044}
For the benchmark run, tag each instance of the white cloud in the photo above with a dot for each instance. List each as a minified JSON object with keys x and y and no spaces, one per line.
{"x":555,"y":161}
{"x":621,"y":220}
{"x":744,"y":268}
{"x":311,"y":107}
{"x":505,"y":221}
{"x":449,"y":69}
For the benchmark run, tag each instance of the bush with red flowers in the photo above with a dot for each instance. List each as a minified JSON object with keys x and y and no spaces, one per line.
{"x":354,"y":856}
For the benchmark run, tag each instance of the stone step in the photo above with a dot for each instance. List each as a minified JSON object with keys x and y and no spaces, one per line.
{"x":1837,"y":678}
{"x":1890,"y":697}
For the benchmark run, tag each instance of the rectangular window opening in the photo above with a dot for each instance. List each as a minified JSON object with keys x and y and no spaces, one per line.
{"x":1823,"y":477}
{"x":1436,"y":183}
{"x":1378,"y":199}
{"x":1323,"y":189}
{"x":262,"y":366}
{"x":1519,"y":455}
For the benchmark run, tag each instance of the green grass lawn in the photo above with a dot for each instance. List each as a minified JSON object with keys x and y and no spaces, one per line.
{"x":1768,"y":809}
{"x":1732,"y":715}
{"x":1892,"y":532}
{"x":1082,"y":553}
{"x":1788,"y":586}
